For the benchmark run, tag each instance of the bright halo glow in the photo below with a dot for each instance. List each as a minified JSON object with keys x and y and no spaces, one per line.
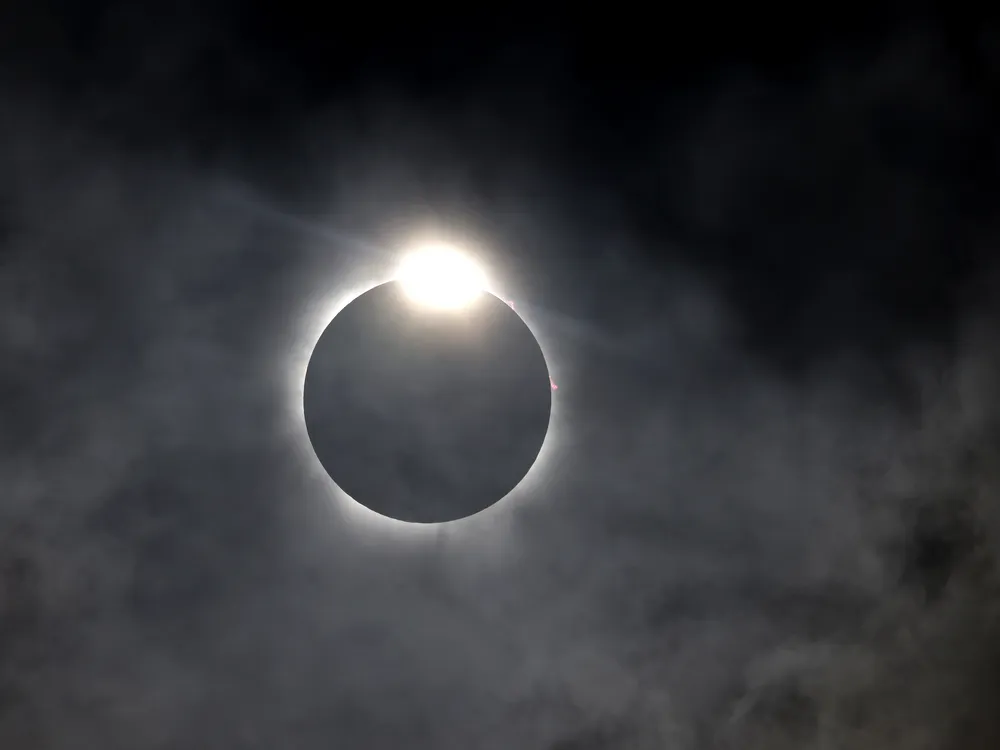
{"x":321,"y":302}
{"x":442,"y":277}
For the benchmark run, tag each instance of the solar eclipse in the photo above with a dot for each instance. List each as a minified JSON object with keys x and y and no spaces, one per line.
{"x":427,"y":398}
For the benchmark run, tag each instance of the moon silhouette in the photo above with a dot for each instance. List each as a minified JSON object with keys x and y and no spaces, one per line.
{"x":426,"y":415}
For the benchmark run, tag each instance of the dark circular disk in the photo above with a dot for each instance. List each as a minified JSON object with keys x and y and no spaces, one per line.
{"x":426,"y":415}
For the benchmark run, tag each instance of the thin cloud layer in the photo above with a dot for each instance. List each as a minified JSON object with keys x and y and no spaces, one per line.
{"x":772,"y":522}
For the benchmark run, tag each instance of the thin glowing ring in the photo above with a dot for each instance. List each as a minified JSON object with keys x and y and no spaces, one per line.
{"x":316,"y":319}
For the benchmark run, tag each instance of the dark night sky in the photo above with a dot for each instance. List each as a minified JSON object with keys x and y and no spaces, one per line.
{"x":759,"y":250}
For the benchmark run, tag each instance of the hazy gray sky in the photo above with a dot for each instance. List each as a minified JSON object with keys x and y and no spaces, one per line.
{"x":755,"y":532}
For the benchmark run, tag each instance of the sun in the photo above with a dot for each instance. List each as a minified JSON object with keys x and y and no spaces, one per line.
{"x":442,"y":277}
{"x":462,"y":279}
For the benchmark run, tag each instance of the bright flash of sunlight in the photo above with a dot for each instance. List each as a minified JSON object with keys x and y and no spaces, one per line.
{"x":442,"y":277}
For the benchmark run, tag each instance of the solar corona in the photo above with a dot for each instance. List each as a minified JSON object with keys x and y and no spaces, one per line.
{"x":427,"y":398}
